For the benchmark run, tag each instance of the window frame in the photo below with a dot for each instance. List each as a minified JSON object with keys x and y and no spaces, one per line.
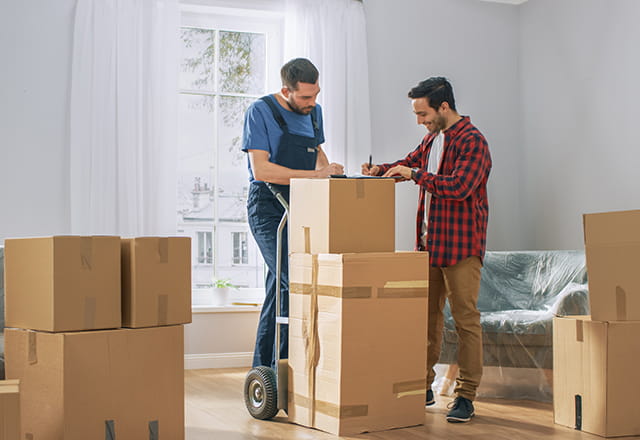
{"x":252,"y":16}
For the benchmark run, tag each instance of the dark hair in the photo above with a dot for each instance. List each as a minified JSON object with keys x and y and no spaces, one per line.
{"x":298,"y":70}
{"x":437,"y":89}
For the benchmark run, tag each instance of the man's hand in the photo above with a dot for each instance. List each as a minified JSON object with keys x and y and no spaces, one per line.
{"x":332,"y":168}
{"x":370,"y":171}
{"x":399,"y":170}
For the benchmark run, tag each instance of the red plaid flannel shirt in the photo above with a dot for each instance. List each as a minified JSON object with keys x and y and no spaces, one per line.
{"x":459,"y":207}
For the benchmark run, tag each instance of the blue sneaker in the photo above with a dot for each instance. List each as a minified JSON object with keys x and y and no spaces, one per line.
{"x":430,"y":400}
{"x":460,"y":410}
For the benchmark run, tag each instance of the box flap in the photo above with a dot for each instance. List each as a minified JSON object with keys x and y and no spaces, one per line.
{"x":619,"y":227}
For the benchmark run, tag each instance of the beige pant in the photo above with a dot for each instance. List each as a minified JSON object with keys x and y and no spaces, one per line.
{"x":460,"y":284}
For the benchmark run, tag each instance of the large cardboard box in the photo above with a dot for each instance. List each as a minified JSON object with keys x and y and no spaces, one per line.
{"x":595,"y":375}
{"x":9,"y":410}
{"x":156,"y":281}
{"x":342,"y":215}
{"x":357,"y":341}
{"x":612,"y":246}
{"x":121,"y":384}
{"x":62,"y":283}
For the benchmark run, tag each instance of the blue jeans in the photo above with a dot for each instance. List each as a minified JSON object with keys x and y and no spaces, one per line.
{"x":264,"y":213}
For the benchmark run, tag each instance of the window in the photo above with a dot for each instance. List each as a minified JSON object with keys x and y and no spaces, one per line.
{"x":230,"y":57}
{"x":240,"y":248}
{"x":205,"y":248}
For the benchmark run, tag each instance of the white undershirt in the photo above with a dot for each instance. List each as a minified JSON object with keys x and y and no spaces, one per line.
{"x":433,"y":165}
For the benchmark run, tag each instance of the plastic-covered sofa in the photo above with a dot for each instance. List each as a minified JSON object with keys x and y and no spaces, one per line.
{"x":520,"y":292}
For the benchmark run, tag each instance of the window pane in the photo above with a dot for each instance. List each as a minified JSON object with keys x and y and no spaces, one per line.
{"x":198,"y":57}
{"x":242,"y":62}
{"x":196,"y":158}
{"x":233,"y":176}
{"x":244,"y":248}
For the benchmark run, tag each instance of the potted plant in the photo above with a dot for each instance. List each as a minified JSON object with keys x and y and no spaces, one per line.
{"x":222,"y":291}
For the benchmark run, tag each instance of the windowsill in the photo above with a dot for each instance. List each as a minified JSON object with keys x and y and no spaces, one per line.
{"x":225,"y":309}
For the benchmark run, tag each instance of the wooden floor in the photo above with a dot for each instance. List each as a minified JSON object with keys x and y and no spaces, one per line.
{"x":215,"y":410}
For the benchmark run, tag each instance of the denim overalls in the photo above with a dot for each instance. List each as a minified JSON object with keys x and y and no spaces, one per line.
{"x":265,"y":212}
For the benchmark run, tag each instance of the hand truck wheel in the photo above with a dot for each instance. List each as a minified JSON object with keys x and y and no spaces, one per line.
{"x":261,"y":393}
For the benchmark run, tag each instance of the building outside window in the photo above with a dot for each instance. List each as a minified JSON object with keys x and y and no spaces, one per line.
{"x":240,"y":247}
{"x":229,"y":59}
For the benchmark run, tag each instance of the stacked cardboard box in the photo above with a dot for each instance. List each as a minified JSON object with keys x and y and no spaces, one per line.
{"x":81,"y":374}
{"x":595,"y":357}
{"x":9,"y":410}
{"x":357,"y":310}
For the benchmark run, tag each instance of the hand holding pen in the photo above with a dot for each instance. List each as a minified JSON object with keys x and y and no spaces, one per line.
{"x":368,"y":169}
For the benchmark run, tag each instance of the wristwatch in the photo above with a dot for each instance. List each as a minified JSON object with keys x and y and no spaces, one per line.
{"x":414,"y":173}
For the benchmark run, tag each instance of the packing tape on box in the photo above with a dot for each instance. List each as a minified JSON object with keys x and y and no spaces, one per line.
{"x":32,"y":347}
{"x":154,"y":430}
{"x":404,"y":289}
{"x":89,"y":312}
{"x":329,"y":409}
{"x":334,"y":291}
{"x":28,"y":436}
{"x":163,"y":309}
{"x":307,"y":239}
{"x":311,"y":340}
{"x":360,"y":193}
{"x":579,"y":330}
{"x":392,"y":289}
{"x":621,"y":304}
{"x":410,"y":388}
{"x":163,"y":249}
{"x":86,"y":261}
{"x":109,"y":430}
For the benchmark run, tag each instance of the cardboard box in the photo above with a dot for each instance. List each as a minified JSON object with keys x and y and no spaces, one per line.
{"x":83,"y":385}
{"x":595,"y":377}
{"x":156,"y":281}
{"x":342,"y":215}
{"x":62,"y":283}
{"x":9,"y":410}
{"x":612,"y":246}
{"x":357,"y":341}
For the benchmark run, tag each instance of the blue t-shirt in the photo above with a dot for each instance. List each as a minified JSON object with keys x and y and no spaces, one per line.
{"x":262,"y":132}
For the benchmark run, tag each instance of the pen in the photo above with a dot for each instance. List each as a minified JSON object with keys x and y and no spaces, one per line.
{"x":370,"y":162}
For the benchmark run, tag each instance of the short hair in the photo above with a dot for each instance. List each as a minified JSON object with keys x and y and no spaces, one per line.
{"x":298,"y":70}
{"x":437,"y":89}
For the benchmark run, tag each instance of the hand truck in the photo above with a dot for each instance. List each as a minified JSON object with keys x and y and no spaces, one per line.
{"x":266,"y":388}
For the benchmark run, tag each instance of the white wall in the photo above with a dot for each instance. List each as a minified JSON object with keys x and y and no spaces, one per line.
{"x":581,"y":94}
{"x":35,"y":49}
{"x":552,"y":85}
{"x":475,"y":45}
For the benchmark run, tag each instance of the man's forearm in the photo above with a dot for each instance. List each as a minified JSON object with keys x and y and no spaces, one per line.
{"x":322,"y":160}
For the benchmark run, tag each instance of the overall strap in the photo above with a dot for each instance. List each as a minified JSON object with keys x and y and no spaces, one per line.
{"x":314,"y":122}
{"x":276,"y":113}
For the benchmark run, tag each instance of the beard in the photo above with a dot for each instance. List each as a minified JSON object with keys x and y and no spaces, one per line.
{"x":438,"y":124}
{"x":297,"y":109}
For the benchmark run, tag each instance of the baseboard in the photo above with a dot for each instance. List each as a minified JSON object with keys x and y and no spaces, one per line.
{"x":217,"y":360}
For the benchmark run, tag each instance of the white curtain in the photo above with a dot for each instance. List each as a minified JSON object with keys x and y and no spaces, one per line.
{"x":332,"y":34}
{"x":123,"y":124}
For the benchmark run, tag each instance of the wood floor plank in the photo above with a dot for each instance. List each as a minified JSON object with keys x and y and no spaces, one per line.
{"x":215,"y":409}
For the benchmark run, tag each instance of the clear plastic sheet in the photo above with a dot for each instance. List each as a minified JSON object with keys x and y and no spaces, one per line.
{"x":520,"y":292}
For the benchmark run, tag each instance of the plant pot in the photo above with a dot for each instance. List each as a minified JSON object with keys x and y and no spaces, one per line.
{"x":221,"y":296}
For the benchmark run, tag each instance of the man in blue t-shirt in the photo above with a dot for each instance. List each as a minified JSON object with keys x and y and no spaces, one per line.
{"x":283,"y":134}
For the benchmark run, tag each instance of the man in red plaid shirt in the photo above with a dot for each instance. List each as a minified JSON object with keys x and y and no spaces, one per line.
{"x":451,"y":165}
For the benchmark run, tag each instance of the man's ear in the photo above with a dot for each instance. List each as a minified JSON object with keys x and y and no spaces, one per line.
{"x":285,"y":91}
{"x":445,"y":106}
